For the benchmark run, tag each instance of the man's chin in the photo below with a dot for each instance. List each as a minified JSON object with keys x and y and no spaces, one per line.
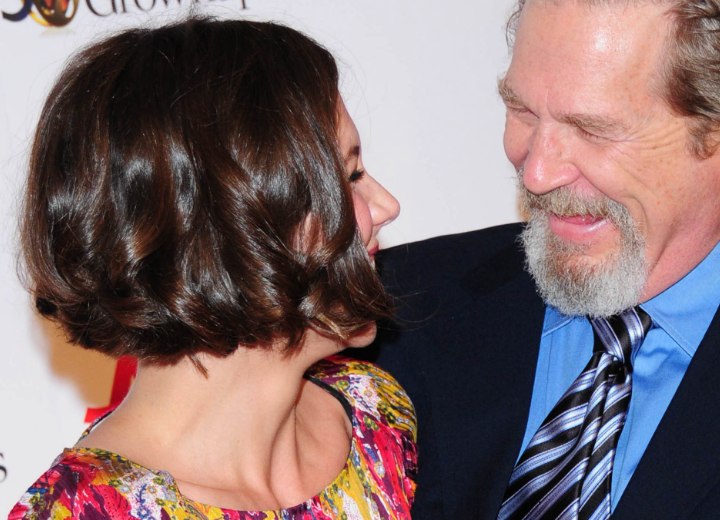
{"x":581,"y":265}
{"x":584,"y":279}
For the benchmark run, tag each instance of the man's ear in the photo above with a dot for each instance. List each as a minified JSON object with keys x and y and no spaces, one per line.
{"x":703,"y":139}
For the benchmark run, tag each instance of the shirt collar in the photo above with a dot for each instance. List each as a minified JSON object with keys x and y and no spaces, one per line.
{"x":684,"y":310}
{"x":554,"y":320}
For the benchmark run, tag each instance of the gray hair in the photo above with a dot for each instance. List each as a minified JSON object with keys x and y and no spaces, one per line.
{"x":692,"y":67}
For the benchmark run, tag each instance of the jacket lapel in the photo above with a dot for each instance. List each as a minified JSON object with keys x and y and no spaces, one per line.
{"x":484,"y":410}
{"x":682,"y":461}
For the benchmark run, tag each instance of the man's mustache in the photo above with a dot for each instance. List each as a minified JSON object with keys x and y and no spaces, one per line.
{"x":564,"y":203}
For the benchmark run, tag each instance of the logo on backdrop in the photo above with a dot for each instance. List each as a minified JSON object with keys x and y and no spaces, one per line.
{"x":3,"y":469}
{"x":57,"y":13}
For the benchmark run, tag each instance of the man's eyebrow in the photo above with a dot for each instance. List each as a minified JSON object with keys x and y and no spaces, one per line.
{"x":595,"y":124}
{"x":589,"y":122}
{"x":507,"y":94}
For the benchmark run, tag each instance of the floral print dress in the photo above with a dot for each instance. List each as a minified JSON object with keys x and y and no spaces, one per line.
{"x":376,"y":482}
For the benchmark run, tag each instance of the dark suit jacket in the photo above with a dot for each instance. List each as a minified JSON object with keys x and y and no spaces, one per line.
{"x":466,"y":351}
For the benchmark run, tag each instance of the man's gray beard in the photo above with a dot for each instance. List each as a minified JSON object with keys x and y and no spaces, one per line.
{"x":563,"y":278}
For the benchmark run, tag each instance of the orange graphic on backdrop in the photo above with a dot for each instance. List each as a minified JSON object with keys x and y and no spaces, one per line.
{"x":54,"y":12}
{"x":62,"y":4}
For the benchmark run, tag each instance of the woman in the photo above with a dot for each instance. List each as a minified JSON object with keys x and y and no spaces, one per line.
{"x":197,"y":199}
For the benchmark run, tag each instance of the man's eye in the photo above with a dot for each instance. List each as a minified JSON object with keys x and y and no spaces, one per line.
{"x":521,"y":113}
{"x":517,"y":109}
{"x":589,"y":136}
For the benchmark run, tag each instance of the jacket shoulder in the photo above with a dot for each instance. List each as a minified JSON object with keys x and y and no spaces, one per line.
{"x":473,"y":261}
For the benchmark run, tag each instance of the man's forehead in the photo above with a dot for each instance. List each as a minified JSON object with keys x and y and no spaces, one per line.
{"x":605,"y":34}
{"x":587,"y":70}
{"x":512,"y":23}
{"x":593,"y":3}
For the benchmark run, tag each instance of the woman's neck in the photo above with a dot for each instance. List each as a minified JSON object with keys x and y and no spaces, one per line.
{"x":251,"y":433}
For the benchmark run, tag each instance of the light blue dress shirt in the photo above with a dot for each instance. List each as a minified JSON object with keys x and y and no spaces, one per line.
{"x":681,"y":315}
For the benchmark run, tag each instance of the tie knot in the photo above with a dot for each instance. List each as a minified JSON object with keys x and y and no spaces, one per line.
{"x":619,"y":335}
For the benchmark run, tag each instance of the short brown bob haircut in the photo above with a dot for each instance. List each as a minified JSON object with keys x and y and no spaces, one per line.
{"x":186,"y":194}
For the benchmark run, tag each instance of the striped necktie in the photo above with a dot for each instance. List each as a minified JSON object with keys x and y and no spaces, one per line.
{"x":566,"y":469}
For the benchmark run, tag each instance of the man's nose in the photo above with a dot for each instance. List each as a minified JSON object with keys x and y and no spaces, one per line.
{"x":548,"y":164}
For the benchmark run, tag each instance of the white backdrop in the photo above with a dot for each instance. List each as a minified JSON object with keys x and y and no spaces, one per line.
{"x":418,"y":76}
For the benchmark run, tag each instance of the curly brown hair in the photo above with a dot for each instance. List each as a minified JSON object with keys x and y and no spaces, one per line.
{"x":186,"y":194}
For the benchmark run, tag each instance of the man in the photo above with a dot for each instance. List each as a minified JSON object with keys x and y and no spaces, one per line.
{"x":613,"y":110}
